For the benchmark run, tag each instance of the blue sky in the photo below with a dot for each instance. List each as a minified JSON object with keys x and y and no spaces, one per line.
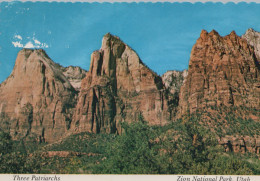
{"x":161,"y":33}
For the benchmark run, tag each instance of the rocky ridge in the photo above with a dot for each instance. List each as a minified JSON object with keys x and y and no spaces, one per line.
{"x":43,"y":101}
{"x":223,"y":71}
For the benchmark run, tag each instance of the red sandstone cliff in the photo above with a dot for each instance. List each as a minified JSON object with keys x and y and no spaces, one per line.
{"x":36,"y":100}
{"x":118,"y":87}
{"x":222,"y":71}
{"x":39,"y":99}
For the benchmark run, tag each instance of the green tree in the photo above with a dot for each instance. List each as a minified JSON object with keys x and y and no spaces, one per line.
{"x":5,"y":143}
{"x":11,"y":161}
{"x":132,"y":152}
{"x":185,"y":147}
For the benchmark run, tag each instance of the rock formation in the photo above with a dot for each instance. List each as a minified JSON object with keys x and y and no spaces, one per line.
{"x":74,"y":75}
{"x":222,"y":71}
{"x":173,"y":80}
{"x":253,"y":38}
{"x":239,"y":144}
{"x":44,"y":101}
{"x":118,"y":88}
{"x":36,"y":100}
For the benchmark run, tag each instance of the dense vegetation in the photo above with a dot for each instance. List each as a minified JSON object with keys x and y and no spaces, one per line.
{"x":186,"y":146}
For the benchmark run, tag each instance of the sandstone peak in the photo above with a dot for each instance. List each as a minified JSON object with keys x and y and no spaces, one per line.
{"x":110,"y":40}
{"x":250,"y":30}
{"x":214,"y":35}
{"x":232,"y":36}
{"x":118,"y":87}
{"x":203,"y":34}
{"x":214,"y":32}
{"x":28,"y":60}
{"x":211,"y":36}
{"x":233,"y":33}
{"x":222,"y":70}
{"x":115,"y":57}
{"x":111,"y":36}
{"x":36,"y":98}
{"x":39,"y":52}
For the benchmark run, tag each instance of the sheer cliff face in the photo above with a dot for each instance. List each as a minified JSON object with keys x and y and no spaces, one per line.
{"x":36,"y":100}
{"x":222,"y":71}
{"x":118,"y":87}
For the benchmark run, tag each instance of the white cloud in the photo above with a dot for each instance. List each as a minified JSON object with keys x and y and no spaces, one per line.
{"x":17,"y":44}
{"x":36,"y":41}
{"x":18,"y":37}
{"x":31,"y":42}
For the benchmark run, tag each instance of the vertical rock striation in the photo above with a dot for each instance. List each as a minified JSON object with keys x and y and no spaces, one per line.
{"x":118,"y":87}
{"x":36,"y":100}
{"x":222,"y":71}
{"x":44,"y":101}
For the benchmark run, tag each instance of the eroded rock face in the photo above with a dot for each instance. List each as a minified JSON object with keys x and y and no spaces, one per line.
{"x":253,"y":38}
{"x":222,"y":71}
{"x":74,"y":75}
{"x":36,"y":100}
{"x":173,"y":80}
{"x":239,"y":144}
{"x":118,"y":87}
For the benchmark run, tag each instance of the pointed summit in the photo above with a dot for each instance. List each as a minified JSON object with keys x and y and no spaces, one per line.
{"x":109,"y":35}
{"x":233,"y":33}
{"x":116,"y":89}
{"x":250,"y":30}
{"x":233,"y":36}
{"x":203,"y":34}
{"x":37,"y":98}
{"x":219,"y":73}
{"x":214,"y":32}
{"x":110,"y":40}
